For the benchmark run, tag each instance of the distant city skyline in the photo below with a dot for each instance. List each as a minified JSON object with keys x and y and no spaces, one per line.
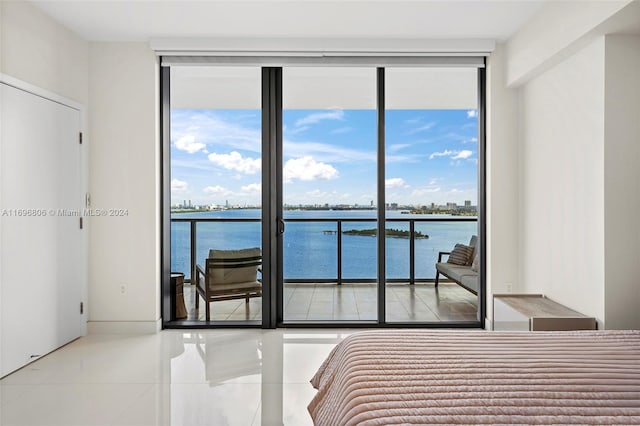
{"x":189,"y":204}
{"x":329,"y":156}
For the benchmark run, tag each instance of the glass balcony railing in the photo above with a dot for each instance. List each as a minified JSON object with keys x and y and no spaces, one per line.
{"x":329,"y":249}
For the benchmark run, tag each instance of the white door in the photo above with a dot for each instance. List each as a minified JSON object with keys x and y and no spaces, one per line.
{"x":41,"y":240}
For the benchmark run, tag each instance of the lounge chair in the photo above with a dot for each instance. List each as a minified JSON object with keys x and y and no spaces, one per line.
{"x":227,"y":275}
{"x":464,"y":275}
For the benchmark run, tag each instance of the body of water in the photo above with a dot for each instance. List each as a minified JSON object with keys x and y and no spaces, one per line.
{"x":310,"y":252}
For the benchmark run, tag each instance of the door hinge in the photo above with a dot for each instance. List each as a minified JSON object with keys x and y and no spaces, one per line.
{"x":80,"y":223}
{"x":81,"y":308}
{"x":80,"y":138}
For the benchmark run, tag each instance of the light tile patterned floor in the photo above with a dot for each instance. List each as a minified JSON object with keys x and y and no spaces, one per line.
{"x":198,"y":378}
{"x":352,"y":302}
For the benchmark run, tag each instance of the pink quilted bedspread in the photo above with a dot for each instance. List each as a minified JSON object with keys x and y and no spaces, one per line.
{"x":392,"y":377}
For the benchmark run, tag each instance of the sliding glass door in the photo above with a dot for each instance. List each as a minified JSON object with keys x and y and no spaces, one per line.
{"x":431,"y":192}
{"x":216,"y":188}
{"x":329,"y":170}
{"x":353,"y":183}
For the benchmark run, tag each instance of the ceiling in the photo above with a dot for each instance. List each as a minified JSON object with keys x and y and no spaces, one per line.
{"x":143,"y":20}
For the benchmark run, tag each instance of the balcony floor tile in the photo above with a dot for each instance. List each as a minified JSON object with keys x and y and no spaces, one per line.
{"x":351,"y":302}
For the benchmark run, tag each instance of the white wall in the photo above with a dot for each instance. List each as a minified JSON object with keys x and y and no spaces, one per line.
{"x":50,"y":59}
{"x":502,"y":180}
{"x":562,"y":182}
{"x":622,"y":181}
{"x":36,"y":49}
{"x":119,"y":83}
{"x":556,"y":32}
{"x":578,"y":145}
{"x":125,"y":159}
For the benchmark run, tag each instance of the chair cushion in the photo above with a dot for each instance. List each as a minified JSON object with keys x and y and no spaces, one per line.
{"x":460,"y":254}
{"x":227,"y":267}
{"x":470,"y":281}
{"x":473,"y":243}
{"x":235,"y":254}
{"x":475,"y":263}
{"x":455,"y":272}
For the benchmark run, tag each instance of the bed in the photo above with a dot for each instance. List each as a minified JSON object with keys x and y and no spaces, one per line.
{"x":390,"y":377}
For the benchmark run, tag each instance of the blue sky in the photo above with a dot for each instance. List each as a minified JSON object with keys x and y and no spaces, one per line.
{"x":329,"y":156}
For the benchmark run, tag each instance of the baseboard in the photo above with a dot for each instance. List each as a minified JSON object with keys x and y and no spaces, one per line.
{"x":124,"y":327}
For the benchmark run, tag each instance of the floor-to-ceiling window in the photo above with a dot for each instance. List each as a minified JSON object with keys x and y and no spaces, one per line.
{"x":431,"y":190}
{"x":368,"y":174}
{"x":329,"y":194}
{"x":216,"y":185}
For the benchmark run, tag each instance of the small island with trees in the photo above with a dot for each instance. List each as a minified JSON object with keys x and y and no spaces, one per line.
{"x":393,"y":233}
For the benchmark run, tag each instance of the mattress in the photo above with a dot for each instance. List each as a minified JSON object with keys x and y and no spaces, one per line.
{"x":391,"y":377}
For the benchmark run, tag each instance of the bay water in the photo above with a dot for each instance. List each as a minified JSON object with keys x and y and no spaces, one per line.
{"x":310,"y":248}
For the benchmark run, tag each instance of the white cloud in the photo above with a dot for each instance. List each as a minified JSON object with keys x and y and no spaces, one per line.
{"x":188,"y":143}
{"x":235,"y":161}
{"x":179,"y":185}
{"x":336,"y":154}
{"x":213,"y":128}
{"x":472,"y":113}
{"x":409,"y":158}
{"x":398,"y":146}
{"x":422,"y":128}
{"x":445,"y":153}
{"x":462,"y":155}
{"x":306,"y":168}
{"x":252,"y":187}
{"x":216,"y":190}
{"x":454,"y":155}
{"x":395,"y":183}
{"x":189,"y":165}
{"x":295,"y":130}
{"x":319,"y":116}
{"x":328,"y":152}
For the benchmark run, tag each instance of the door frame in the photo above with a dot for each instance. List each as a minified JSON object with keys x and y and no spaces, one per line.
{"x":272,"y":274}
{"x":80,"y":295}
{"x":272,"y":205}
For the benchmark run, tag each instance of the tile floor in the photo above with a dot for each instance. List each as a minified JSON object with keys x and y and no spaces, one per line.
{"x":212,"y":378}
{"x":352,"y":302}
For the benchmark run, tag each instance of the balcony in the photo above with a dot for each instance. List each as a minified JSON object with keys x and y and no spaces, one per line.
{"x":330,"y":267}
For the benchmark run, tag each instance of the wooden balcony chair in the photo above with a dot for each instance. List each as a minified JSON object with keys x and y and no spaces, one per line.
{"x":227,"y":275}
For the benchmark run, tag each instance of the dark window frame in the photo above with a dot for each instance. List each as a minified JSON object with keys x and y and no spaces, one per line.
{"x":272,"y":215}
